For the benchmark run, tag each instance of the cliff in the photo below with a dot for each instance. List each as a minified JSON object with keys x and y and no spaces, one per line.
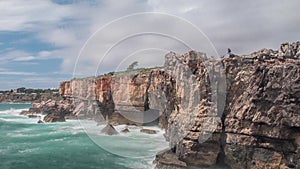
{"x":257,"y":126}
{"x":125,"y":98}
{"x":237,"y":112}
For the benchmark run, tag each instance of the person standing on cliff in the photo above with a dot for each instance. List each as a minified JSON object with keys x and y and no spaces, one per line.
{"x":228,"y":54}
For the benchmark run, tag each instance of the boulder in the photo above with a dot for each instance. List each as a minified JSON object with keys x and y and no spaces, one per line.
{"x":52,"y":117}
{"x":25,"y":112}
{"x":32,"y":116}
{"x":40,"y":121}
{"x":125,"y":130}
{"x":148,"y":131}
{"x":109,"y":130}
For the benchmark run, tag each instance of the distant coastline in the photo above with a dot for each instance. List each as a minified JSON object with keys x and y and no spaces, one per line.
{"x":28,"y":95}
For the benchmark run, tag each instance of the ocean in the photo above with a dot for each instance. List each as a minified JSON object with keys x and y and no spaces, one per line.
{"x":74,"y":144}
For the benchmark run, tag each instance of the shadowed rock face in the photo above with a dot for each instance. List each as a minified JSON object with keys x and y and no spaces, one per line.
{"x":251,"y":121}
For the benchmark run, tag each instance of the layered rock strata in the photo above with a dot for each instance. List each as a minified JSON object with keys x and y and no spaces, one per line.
{"x":259,"y":124}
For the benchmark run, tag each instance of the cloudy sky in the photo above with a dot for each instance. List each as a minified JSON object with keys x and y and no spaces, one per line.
{"x":43,"y":42}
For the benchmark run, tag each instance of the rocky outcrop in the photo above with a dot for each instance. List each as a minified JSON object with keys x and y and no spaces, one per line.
{"x":194,"y":123}
{"x":54,"y":117}
{"x":257,"y":126}
{"x":109,"y":130}
{"x":125,"y":98}
{"x":148,"y":131}
{"x":263,"y":117}
{"x":55,"y":111}
{"x":125,"y":130}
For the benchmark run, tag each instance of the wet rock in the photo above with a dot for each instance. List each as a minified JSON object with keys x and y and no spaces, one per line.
{"x":32,"y":116}
{"x":109,"y":130}
{"x":53,"y":117}
{"x":125,"y":130}
{"x":148,"y":131}
{"x":40,"y":121}
{"x":25,"y":112}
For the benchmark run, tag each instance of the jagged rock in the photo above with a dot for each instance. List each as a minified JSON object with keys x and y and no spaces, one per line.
{"x":55,"y":110}
{"x":287,"y":50}
{"x":125,"y":130}
{"x":25,"y":112}
{"x":32,"y":116}
{"x":109,"y":130}
{"x":148,"y":131}
{"x":52,"y":117}
{"x":40,"y":121}
{"x":168,"y":160}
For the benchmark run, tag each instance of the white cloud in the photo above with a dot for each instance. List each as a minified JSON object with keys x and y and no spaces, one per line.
{"x":24,"y":58}
{"x":13,"y":55}
{"x":17,"y":73}
{"x":19,"y":15}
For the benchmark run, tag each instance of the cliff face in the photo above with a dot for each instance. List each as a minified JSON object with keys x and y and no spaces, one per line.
{"x":125,"y":98}
{"x":259,"y":127}
{"x":262,"y":113}
{"x":194,"y":122}
{"x":237,"y":112}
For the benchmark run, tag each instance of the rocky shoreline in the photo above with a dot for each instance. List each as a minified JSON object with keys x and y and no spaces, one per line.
{"x":237,"y":112}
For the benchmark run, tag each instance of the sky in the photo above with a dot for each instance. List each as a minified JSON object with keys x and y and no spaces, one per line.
{"x":43,"y":42}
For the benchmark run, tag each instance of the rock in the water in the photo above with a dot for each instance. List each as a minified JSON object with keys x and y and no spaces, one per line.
{"x":109,"y":130}
{"x":148,"y":131}
{"x":54,"y":118}
{"x":40,"y":121}
{"x":125,"y":130}
{"x":32,"y":116}
{"x":24,"y":112}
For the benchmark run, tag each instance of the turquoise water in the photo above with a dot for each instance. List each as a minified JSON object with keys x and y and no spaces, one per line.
{"x":24,"y":144}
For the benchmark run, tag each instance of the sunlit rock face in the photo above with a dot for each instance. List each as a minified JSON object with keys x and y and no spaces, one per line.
{"x":134,"y":97}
